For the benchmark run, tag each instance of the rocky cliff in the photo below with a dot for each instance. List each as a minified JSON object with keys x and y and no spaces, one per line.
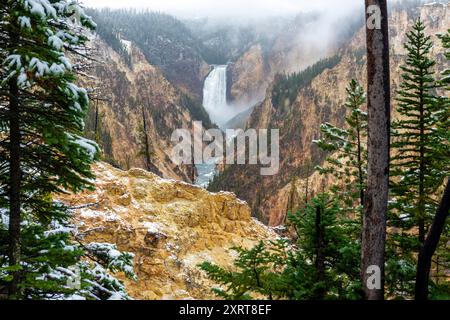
{"x":164,"y":40}
{"x":170,"y":226}
{"x":134,"y":110}
{"x":290,"y":46}
{"x":318,"y":102}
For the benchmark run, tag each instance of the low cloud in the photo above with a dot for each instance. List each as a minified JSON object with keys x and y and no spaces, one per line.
{"x":235,"y":8}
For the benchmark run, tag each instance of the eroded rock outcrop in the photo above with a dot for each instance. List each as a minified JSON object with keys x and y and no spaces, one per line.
{"x":170,"y":226}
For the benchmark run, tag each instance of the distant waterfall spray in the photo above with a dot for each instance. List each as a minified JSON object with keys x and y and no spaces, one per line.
{"x":215,"y":103}
{"x":215,"y":95}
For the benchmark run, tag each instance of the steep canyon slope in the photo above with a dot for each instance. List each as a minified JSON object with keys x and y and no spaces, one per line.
{"x":319,"y":101}
{"x":134,"y":110}
{"x":170,"y":226}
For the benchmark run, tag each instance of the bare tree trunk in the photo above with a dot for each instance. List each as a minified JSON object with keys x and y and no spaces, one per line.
{"x":148,"y":160}
{"x":429,"y":247}
{"x":360,"y":164}
{"x":376,"y":198}
{"x":320,"y":258}
{"x":15,"y":185}
{"x":96,"y":136}
{"x":422,"y":170}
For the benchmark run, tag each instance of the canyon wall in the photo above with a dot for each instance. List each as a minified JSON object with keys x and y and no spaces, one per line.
{"x":320,"y":101}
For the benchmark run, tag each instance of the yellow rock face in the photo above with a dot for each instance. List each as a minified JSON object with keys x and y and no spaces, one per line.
{"x":170,"y":226}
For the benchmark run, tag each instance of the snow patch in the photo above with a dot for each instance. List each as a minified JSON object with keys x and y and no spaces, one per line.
{"x":127,"y":45}
{"x":153,"y":227}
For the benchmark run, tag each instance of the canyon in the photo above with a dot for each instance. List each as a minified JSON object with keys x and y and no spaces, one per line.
{"x":299,"y":120}
{"x":147,"y":205}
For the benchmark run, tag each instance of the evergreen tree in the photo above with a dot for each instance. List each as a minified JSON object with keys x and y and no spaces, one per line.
{"x":42,"y":153}
{"x":259,"y":272}
{"x":287,"y":86}
{"x":325,"y":238}
{"x":420,"y":160}
{"x":146,"y":148}
{"x":348,"y":161}
{"x":428,"y":285}
{"x":322,"y":264}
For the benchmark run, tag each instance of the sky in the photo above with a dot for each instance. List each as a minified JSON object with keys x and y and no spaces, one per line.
{"x":229,"y":8}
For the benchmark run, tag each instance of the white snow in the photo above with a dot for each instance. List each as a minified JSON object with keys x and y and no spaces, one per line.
{"x":153,"y":227}
{"x":116,"y":296}
{"x":57,"y":69}
{"x":76,"y":297}
{"x":41,"y":67}
{"x":106,"y":248}
{"x":4,"y":218}
{"x":22,"y":79}
{"x":65,"y":62}
{"x":25,"y":22}
{"x":127,"y":44}
{"x":41,"y":8}
{"x":90,"y":147}
{"x":35,"y":7}
{"x":89,"y":213}
{"x":55,"y":42}
{"x":14,"y":60}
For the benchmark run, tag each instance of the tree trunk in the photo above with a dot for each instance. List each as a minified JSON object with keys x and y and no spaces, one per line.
{"x":96,"y":135}
{"x":320,"y":259}
{"x":429,"y":247}
{"x":15,"y":185}
{"x":360,"y":164}
{"x":421,"y":218}
{"x":378,"y":105}
{"x":148,"y":159}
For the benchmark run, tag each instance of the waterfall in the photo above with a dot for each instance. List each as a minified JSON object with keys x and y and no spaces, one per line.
{"x":215,"y":103}
{"x":215,"y":95}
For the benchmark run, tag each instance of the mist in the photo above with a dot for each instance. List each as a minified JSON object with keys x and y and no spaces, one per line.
{"x":248,"y":9}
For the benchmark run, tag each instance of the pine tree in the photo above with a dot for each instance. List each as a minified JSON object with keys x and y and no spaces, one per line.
{"x":420,"y":159}
{"x":259,"y":272}
{"x":146,"y":146}
{"x":325,"y":237}
{"x":42,"y":153}
{"x":348,"y":161}
{"x":438,"y":236}
{"x":323,"y":264}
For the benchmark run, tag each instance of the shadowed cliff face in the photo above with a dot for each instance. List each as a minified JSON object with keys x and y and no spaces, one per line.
{"x":165,"y":42}
{"x":133,"y":97}
{"x":170,"y":226}
{"x":298,"y":43}
{"x":321,"y":101}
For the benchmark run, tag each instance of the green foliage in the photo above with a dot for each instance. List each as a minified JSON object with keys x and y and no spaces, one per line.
{"x":348,"y":152}
{"x":420,"y":161}
{"x":38,"y":91}
{"x":259,"y":272}
{"x":286,"y":87}
{"x":322,"y":265}
{"x":112,"y":37}
{"x":50,"y":260}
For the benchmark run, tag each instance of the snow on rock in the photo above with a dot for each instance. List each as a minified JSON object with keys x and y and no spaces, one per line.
{"x":170,"y":226}
{"x":127,"y":45}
